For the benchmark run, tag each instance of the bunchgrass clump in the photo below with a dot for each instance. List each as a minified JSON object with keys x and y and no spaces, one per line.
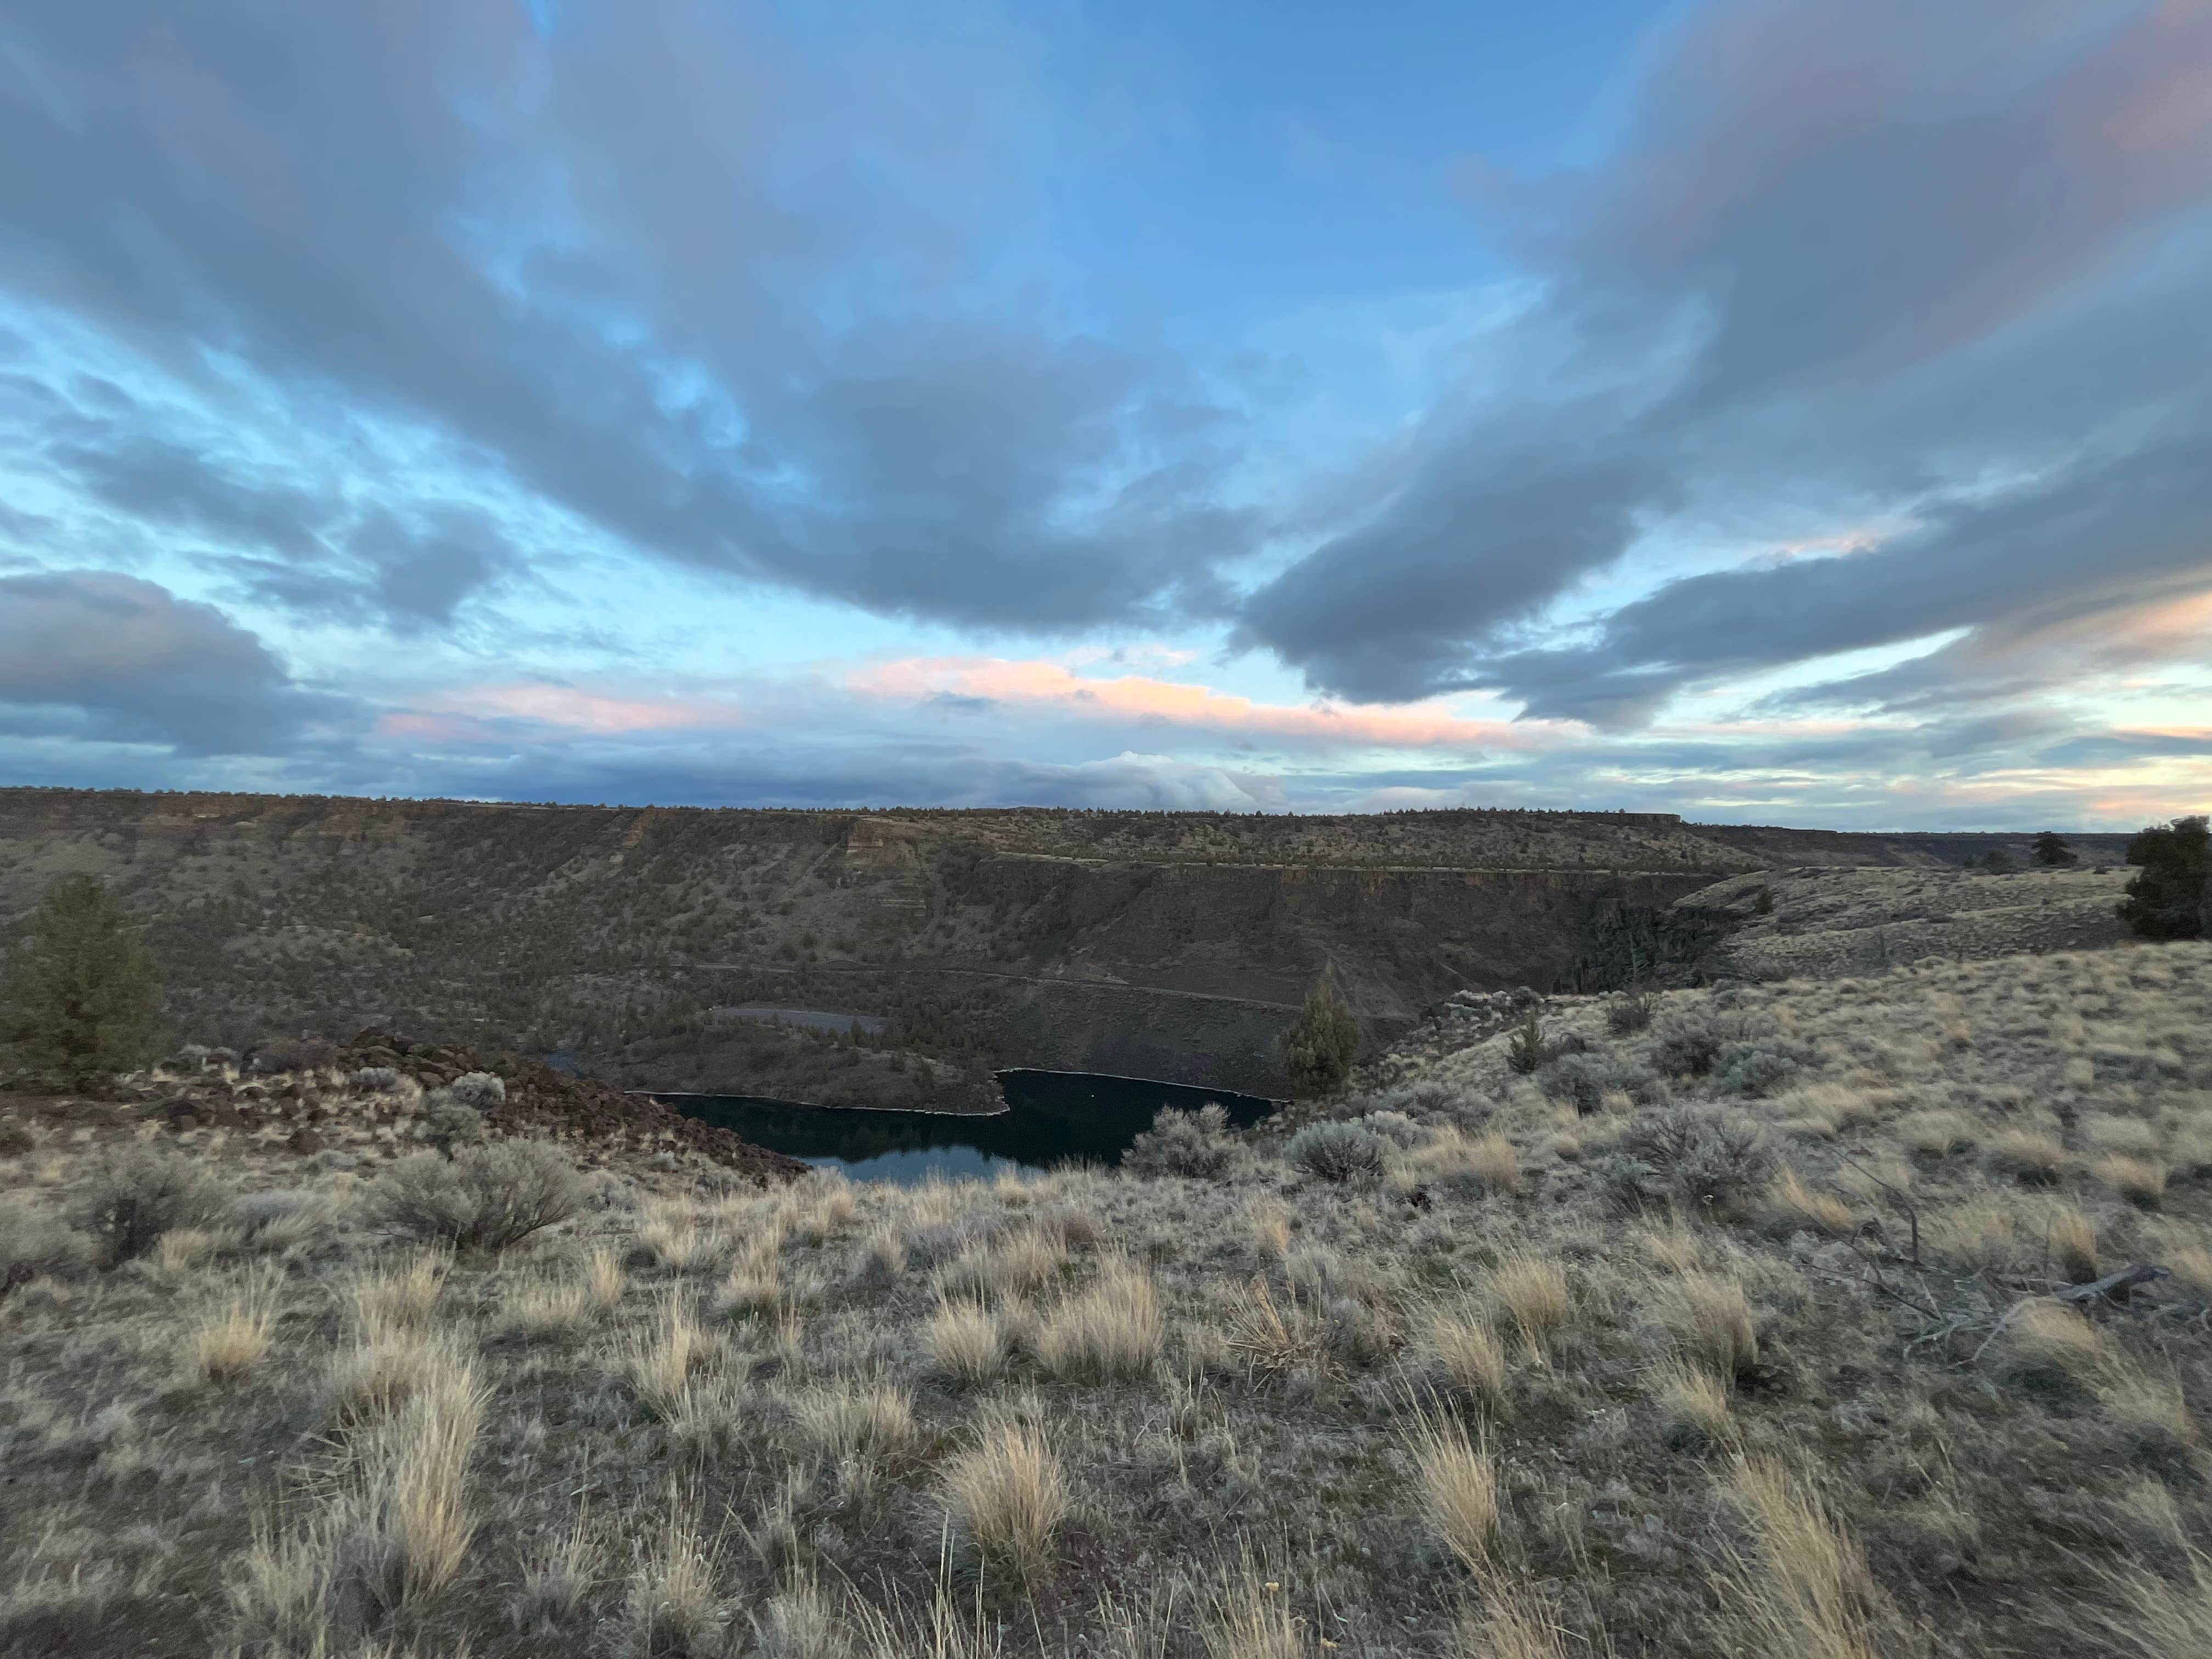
{"x":1109,"y":1331}
{"x":1008,"y":1495}
{"x":1532,"y":1292}
{"x":1459,"y":1488}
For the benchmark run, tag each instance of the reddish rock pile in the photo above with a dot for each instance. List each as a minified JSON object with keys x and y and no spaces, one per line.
{"x":289,"y":1095}
{"x":544,"y":1101}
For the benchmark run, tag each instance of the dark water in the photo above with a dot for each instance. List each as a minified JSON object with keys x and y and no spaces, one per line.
{"x":1056,"y":1117}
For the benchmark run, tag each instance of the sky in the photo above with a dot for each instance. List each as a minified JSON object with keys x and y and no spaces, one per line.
{"x":1767,"y":411}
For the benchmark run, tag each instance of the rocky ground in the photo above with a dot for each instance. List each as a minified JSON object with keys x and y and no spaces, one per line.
{"x":335,"y":1108}
{"x":1826,"y":923}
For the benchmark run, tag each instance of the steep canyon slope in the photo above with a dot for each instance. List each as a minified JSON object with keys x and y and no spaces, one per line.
{"x":626,"y":939}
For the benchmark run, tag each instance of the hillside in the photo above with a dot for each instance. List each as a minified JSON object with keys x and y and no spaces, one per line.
{"x":1831,"y":1319}
{"x":1166,"y":944}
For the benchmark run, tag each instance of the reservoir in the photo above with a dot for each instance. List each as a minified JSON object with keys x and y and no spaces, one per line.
{"x":1053,"y":1117}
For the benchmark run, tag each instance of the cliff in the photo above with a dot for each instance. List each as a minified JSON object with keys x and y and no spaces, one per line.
{"x":619,"y":939}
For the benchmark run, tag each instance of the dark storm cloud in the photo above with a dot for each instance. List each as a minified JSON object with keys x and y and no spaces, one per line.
{"x":603,"y":258}
{"x":1855,"y":256}
{"x":114,"y":660}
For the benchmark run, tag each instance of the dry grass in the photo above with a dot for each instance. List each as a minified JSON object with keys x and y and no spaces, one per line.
{"x":2191,"y":1267}
{"x":754,"y":1285}
{"x":844,"y":1420}
{"x":1532,"y":1291}
{"x":659,"y":1359}
{"x":1110,"y":1332}
{"x":1018,"y":1267}
{"x":1937,"y":1133}
{"x":1799,"y":1206}
{"x":386,"y":1368}
{"x":2047,"y":1344}
{"x":2074,"y":1243}
{"x":1493,"y":1165}
{"x":678,"y":1240}
{"x":428,"y":1519}
{"x":967,"y":1343}
{"x":1270,"y":1226}
{"x":2026,"y":1156}
{"x":1272,"y":1339}
{"x":1467,"y":1351}
{"x":2165,"y":1616}
{"x":672,"y":1607}
{"x":1711,"y":1318}
{"x":1514,"y":1622}
{"x":1251,"y":1617}
{"x":557,"y":1579}
{"x":1675,"y":1248}
{"x":1008,"y":1495}
{"x":549,"y":1304}
{"x":401,"y":1297}
{"x":1805,"y":1586}
{"x":184,"y":1250}
{"x":235,"y":1337}
{"x":1459,"y":1488}
{"x":1693,"y":1405}
{"x":2153,"y":1414}
{"x":2006,"y":1493}
{"x":2140,"y":1181}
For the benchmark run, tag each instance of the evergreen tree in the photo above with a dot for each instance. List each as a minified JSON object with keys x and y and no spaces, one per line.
{"x":78,"y":998}
{"x":2051,"y":850}
{"x":2169,"y":899}
{"x":1322,"y":1044}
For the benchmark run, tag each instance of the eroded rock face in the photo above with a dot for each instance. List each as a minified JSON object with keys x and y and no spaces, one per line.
{"x":1162,"y":944}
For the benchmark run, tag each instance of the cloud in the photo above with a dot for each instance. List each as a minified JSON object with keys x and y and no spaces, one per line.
{"x":1936,"y":264}
{"x":727,"y":292}
{"x":111,"y":658}
{"x":1036,"y":687}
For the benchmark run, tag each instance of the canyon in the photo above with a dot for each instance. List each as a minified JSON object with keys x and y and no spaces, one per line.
{"x":640,"y":944}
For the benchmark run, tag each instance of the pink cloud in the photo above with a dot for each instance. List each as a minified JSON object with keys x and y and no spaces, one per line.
{"x":475,"y":713}
{"x":1035,"y":684}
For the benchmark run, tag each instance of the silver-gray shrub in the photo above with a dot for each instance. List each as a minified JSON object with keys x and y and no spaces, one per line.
{"x":376,"y":1079}
{"x":1690,"y":1045}
{"x":480,"y":1090}
{"x":1394,"y":1127}
{"x":137,"y":1196}
{"x":1704,"y":1157}
{"x":1194,"y":1145}
{"x":1755,"y":1069}
{"x":255,"y":1213}
{"x":482,"y":1198}
{"x":1340,"y":1151}
{"x":448,"y":1123}
{"x":1583,"y":1081}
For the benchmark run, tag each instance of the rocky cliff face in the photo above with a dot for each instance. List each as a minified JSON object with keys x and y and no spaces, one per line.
{"x":1170,"y":945}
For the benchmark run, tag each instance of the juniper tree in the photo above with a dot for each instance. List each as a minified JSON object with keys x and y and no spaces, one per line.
{"x":2169,"y":899}
{"x":77,"y":1002}
{"x":1320,"y":1046}
{"x":2051,"y":851}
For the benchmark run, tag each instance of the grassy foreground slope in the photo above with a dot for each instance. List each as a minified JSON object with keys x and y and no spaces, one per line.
{"x":1757,"y":1322}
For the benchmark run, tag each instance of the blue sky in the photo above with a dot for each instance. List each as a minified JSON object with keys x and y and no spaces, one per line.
{"x":1785,"y":411}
